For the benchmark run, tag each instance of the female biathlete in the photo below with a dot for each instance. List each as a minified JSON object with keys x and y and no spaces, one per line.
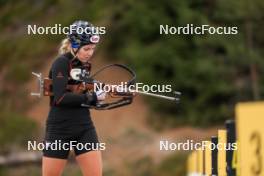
{"x":68,"y":123}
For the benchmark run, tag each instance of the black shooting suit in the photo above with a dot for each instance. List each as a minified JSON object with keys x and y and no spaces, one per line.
{"x":68,"y":120}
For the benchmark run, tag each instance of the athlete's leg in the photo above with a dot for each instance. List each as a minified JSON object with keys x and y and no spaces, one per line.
{"x":90,"y":163}
{"x":89,"y":157}
{"x":52,"y":166}
{"x":54,"y":159}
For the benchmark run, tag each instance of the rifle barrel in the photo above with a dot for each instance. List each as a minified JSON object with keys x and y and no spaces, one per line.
{"x":159,"y":96}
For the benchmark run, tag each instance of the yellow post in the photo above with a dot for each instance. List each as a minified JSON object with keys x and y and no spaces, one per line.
{"x":208,"y":158}
{"x":195,"y":163}
{"x":192,"y":164}
{"x":200,"y":156}
{"x":250,"y":132}
{"x":221,"y":158}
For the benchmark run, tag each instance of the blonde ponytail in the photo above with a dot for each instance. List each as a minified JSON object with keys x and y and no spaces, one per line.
{"x":65,"y":46}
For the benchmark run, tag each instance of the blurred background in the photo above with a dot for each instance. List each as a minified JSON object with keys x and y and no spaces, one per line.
{"x":213,"y":72}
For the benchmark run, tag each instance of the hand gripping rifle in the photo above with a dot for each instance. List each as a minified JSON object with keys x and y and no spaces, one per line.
{"x":88,"y":83}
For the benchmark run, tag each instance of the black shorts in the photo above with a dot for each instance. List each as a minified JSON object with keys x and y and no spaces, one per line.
{"x":58,"y":146}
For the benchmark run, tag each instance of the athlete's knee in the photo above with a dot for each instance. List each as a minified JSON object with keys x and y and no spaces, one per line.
{"x":48,"y":172}
{"x":52,"y":166}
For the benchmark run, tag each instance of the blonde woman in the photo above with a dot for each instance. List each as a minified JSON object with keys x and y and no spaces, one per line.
{"x":69,"y":123}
